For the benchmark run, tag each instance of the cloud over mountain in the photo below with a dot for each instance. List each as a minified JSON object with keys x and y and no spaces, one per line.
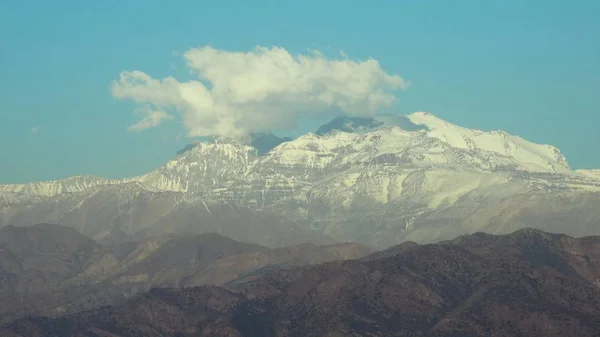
{"x":256,"y":91}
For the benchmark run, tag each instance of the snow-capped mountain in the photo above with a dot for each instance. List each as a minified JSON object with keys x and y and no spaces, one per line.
{"x":54,"y":187}
{"x":203,"y":168}
{"x":374,"y":180}
{"x":365,"y":124}
{"x":120,"y":212}
{"x":208,"y":166}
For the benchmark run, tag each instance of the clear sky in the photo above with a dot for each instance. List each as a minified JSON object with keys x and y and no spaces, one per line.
{"x":530,"y":68}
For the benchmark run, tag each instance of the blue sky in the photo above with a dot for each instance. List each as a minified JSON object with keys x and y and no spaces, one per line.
{"x":530,"y":68}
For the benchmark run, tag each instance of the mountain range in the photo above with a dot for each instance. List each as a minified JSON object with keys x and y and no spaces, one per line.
{"x":53,"y":270}
{"x":378,"y":181}
{"x":528,"y":283}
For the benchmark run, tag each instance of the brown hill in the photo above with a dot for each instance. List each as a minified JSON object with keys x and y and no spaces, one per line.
{"x":53,"y":270}
{"x":528,"y":283}
{"x":41,"y":257}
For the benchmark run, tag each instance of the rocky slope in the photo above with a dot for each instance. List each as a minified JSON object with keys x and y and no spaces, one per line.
{"x":39,"y":258}
{"x":379,"y":181}
{"x":529,"y":283}
{"x":121,"y":212}
{"x":52,"y":269}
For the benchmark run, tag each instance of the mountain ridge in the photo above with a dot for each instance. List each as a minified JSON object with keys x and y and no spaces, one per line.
{"x":229,"y":147}
{"x":527,"y":283}
{"x":379,"y":184}
{"x":50,"y":269}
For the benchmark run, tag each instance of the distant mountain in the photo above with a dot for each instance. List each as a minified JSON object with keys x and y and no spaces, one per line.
{"x":365,"y":124}
{"x":265,"y":142}
{"x":52,"y":269}
{"x":121,"y":212}
{"x":41,"y":257}
{"x":378,"y":181}
{"x":529,"y":283}
{"x":56,"y":187}
{"x":261,"y":142}
{"x":349,"y":124}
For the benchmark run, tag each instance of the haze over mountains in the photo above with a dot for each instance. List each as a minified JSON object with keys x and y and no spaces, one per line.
{"x":260,"y":226}
{"x":378,"y":181}
{"x":53,"y":270}
{"x":244,"y":170}
{"x":529,"y":283}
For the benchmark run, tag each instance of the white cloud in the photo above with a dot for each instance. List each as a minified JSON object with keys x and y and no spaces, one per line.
{"x":256,"y":91}
{"x":34,"y":130}
{"x":150,"y":118}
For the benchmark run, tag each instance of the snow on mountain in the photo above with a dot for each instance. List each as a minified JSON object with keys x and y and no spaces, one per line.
{"x":229,"y":170}
{"x":526,"y":155}
{"x":594,"y":174}
{"x":365,"y":124}
{"x":442,"y":145}
{"x":376,"y":181}
{"x":265,"y":142}
{"x":201,"y":169}
{"x":51,"y":188}
{"x":121,"y":212}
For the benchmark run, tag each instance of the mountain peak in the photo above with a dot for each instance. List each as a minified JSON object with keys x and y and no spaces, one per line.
{"x":262,"y":142}
{"x":428,"y":120}
{"x":349,"y":124}
{"x":218,"y":147}
{"x":366,"y":124}
{"x":265,"y":142}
